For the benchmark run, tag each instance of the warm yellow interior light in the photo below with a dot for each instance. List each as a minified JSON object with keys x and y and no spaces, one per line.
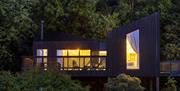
{"x":73,"y":52}
{"x":102,"y":53}
{"x":85,"y":52}
{"x":131,"y":57}
{"x":45,"y":52}
{"x":64,"y":52}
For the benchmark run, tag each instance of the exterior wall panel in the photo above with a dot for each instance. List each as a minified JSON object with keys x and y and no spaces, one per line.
{"x":148,"y":44}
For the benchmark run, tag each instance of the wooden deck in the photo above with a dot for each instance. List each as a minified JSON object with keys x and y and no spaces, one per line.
{"x":98,"y":69}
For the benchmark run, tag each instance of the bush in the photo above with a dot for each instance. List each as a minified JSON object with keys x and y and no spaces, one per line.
{"x":170,"y":85}
{"x":38,"y":81}
{"x":124,"y":82}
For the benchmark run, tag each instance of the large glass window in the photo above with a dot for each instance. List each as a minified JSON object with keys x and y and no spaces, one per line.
{"x":73,"y":52}
{"x":77,"y":59}
{"x":60,"y":63}
{"x":39,"y":61}
{"x":99,"y":53}
{"x":42,"y":59}
{"x":74,"y":63}
{"x":61,"y":52}
{"x":132,"y":50}
{"x":102,"y":53}
{"x":66,"y":63}
{"x":82,"y":63}
{"x":42,"y":52}
{"x":45,"y":63}
{"x":85,"y":52}
{"x":87,"y":64}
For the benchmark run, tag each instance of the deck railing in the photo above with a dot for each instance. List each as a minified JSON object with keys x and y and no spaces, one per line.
{"x":96,"y":63}
{"x":82,"y":63}
{"x":171,"y":67}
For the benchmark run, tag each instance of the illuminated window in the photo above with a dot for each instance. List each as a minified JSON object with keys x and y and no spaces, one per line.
{"x":87,"y":63}
{"x":82,"y":62}
{"x":39,"y":61}
{"x":95,"y":53}
{"x":85,"y":52}
{"x":99,"y":53}
{"x":42,"y":52}
{"x":73,"y":52}
{"x":76,"y":59}
{"x":132,"y":50}
{"x":65,"y":63}
{"x":102,"y":63}
{"x":45,"y":63}
{"x":102,"y":53}
{"x":42,"y":62}
{"x":60,"y":63}
{"x":61,"y":52}
{"x":74,"y":63}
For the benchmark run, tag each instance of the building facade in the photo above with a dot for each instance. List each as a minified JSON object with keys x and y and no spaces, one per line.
{"x":132,"y":49}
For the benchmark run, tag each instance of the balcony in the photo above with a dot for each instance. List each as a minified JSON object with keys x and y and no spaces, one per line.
{"x":85,"y":63}
{"x":170,"y":67}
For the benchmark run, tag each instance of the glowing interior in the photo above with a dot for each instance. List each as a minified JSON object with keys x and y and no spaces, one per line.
{"x":131,"y":57}
{"x":42,"y":52}
{"x":102,"y":53}
{"x":79,"y":58}
{"x":73,"y":52}
{"x":85,"y":52}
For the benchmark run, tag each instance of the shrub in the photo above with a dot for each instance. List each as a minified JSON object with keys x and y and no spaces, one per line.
{"x":124,"y":82}
{"x":39,"y":81}
{"x":170,"y":85}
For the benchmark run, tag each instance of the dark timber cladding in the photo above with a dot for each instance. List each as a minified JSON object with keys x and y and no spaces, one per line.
{"x":53,"y":41}
{"x":149,"y":38}
{"x":57,"y":40}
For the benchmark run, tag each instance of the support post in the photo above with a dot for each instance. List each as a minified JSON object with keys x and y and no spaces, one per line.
{"x":157,"y":83}
{"x":151,"y":85}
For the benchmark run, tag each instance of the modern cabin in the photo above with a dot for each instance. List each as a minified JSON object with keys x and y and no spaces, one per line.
{"x":132,"y":49}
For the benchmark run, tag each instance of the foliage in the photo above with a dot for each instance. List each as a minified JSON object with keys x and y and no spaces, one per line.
{"x":15,"y":29}
{"x":124,"y":82}
{"x":119,"y":8}
{"x":170,"y":39}
{"x":77,"y":17}
{"x":170,"y":84}
{"x":19,"y":21}
{"x":38,"y":81}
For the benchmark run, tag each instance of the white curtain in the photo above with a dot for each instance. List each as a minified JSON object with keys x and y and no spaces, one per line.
{"x":39,"y":52}
{"x":133,"y":39}
{"x":60,"y":61}
{"x":39,"y":60}
{"x":59,"y":53}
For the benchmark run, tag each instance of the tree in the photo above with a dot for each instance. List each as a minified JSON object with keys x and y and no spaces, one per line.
{"x":124,"y":82}
{"x":39,"y":81}
{"x":78,"y":17}
{"x":170,"y":39}
{"x":15,"y":31}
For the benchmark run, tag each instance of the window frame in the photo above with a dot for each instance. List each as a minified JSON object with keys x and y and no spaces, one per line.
{"x":137,"y":67}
